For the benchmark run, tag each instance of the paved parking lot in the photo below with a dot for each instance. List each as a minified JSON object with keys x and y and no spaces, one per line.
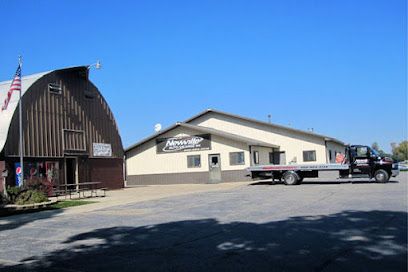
{"x":318,"y":226}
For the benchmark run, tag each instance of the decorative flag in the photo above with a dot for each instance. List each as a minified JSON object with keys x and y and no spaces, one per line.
{"x":15,"y":86}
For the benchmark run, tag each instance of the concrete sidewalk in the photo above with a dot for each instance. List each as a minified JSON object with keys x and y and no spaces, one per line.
{"x":145,"y":193}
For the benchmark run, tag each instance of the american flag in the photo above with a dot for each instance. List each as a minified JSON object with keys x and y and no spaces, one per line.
{"x":15,"y":86}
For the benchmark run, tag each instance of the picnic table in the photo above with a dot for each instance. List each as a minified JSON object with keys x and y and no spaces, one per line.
{"x":82,"y":187}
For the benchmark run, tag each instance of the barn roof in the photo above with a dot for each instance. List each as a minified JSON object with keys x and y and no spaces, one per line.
{"x":7,"y":115}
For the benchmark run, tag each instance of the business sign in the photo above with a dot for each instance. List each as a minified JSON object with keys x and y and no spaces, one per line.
{"x":102,"y":150}
{"x":183,"y":144}
{"x":19,"y":176}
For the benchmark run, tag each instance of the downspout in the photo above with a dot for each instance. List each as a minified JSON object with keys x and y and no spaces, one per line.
{"x":250,"y":155}
{"x":124,"y":171}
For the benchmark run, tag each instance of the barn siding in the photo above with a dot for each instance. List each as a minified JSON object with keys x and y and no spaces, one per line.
{"x":46,"y":115}
{"x":50,"y":118}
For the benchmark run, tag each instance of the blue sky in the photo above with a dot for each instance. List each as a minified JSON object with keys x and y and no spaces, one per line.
{"x":337,"y":66}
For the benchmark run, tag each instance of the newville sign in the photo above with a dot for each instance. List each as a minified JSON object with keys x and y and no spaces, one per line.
{"x":184,"y":144}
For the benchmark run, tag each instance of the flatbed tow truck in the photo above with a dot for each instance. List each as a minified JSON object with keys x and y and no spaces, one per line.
{"x":359,"y":161}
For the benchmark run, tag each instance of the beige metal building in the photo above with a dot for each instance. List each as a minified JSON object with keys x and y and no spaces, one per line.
{"x":215,"y":146}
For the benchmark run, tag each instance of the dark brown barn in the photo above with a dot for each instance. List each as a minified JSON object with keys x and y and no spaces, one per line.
{"x":70,"y":134}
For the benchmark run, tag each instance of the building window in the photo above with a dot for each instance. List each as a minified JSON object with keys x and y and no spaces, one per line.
{"x":309,"y":155}
{"x":89,"y":95}
{"x":237,"y":158}
{"x":256,"y":157}
{"x":330,"y":156}
{"x":194,"y":161}
{"x":54,"y":88}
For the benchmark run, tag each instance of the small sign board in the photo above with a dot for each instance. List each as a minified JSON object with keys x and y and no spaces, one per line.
{"x":183,"y":144}
{"x":102,"y":150}
{"x":19,"y":176}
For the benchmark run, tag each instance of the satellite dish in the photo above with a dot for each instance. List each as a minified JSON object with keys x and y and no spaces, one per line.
{"x":157,"y":127}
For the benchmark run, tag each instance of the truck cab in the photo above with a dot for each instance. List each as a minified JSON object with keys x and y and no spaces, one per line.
{"x":365,"y":161}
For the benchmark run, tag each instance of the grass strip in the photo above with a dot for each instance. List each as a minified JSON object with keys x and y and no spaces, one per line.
{"x":70,"y":203}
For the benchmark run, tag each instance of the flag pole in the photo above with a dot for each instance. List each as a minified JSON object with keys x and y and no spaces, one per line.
{"x":20,"y":63}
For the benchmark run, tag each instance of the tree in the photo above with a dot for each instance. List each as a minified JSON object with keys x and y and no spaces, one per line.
{"x":377,"y":148}
{"x":400,"y":151}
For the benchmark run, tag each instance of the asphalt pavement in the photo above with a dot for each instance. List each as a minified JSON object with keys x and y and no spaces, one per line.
{"x":321,"y":225}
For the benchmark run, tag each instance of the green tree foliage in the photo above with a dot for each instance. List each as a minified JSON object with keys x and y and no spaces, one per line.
{"x":400,"y":151}
{"x":377,"y":148}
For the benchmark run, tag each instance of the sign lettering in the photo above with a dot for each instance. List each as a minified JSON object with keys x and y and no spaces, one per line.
{"x":183,"y":144}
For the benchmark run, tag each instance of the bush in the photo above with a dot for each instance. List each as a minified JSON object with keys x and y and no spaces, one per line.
{"x":39,"y":184}
{"x":30,"y":197}
{"x":21,"y":196}
{"x":12,"y":193}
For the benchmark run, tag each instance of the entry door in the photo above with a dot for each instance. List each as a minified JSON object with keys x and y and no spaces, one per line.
{"x":214,"y":162}
{"x":70,"y":170}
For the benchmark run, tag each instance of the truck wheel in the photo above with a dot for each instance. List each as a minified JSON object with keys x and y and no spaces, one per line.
{"x":381,"y":176}
{"x":290,"y":178}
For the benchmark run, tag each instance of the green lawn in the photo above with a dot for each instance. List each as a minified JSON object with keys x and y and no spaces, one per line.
{"x":70,"y":203}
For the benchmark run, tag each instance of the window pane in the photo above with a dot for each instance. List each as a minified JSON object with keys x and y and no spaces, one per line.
{"x":194,"y":161}
{"x":309,"y":155}
{"x":362,"y":151}
{"x":237,"y":158}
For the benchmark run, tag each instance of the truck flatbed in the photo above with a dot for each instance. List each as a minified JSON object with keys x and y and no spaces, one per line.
{"x":358,"y":161}
{"x":299,"y":167}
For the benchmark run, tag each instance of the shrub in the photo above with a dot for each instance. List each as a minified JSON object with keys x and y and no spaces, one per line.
{"x":39,"y":184}
{"x":30,"y":197}
{"x":12,"y":193}
{"x":21,"y":196}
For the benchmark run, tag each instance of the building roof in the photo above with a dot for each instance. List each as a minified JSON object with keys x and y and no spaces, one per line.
{"x":7,"y":115}
{"x":212,"y":131}
{"x":228,"y":135}
{"x":326,"y":138}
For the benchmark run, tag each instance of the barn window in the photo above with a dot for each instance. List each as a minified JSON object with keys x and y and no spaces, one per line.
{"x":237,"y":158}
{"x":89,"y":95}
{"x":194,"y":161}
{"x":74,"y":140}
{"x":54,"y":88}
{"x":309,"y":155}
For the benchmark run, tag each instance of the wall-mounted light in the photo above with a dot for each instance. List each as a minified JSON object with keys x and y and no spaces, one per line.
{"x":97,"y":65}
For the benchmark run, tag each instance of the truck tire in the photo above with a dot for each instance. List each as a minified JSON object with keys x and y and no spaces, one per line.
{"x":290,"y":178}
{"x":381,"y":176}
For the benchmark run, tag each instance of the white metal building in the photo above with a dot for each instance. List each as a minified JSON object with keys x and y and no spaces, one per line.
{"x":215,"y":146}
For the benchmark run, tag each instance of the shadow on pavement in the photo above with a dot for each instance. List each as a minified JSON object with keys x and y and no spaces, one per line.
{"x":346,"y":241}
{"x":320,"y":182}
{"x":19,"y":220}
